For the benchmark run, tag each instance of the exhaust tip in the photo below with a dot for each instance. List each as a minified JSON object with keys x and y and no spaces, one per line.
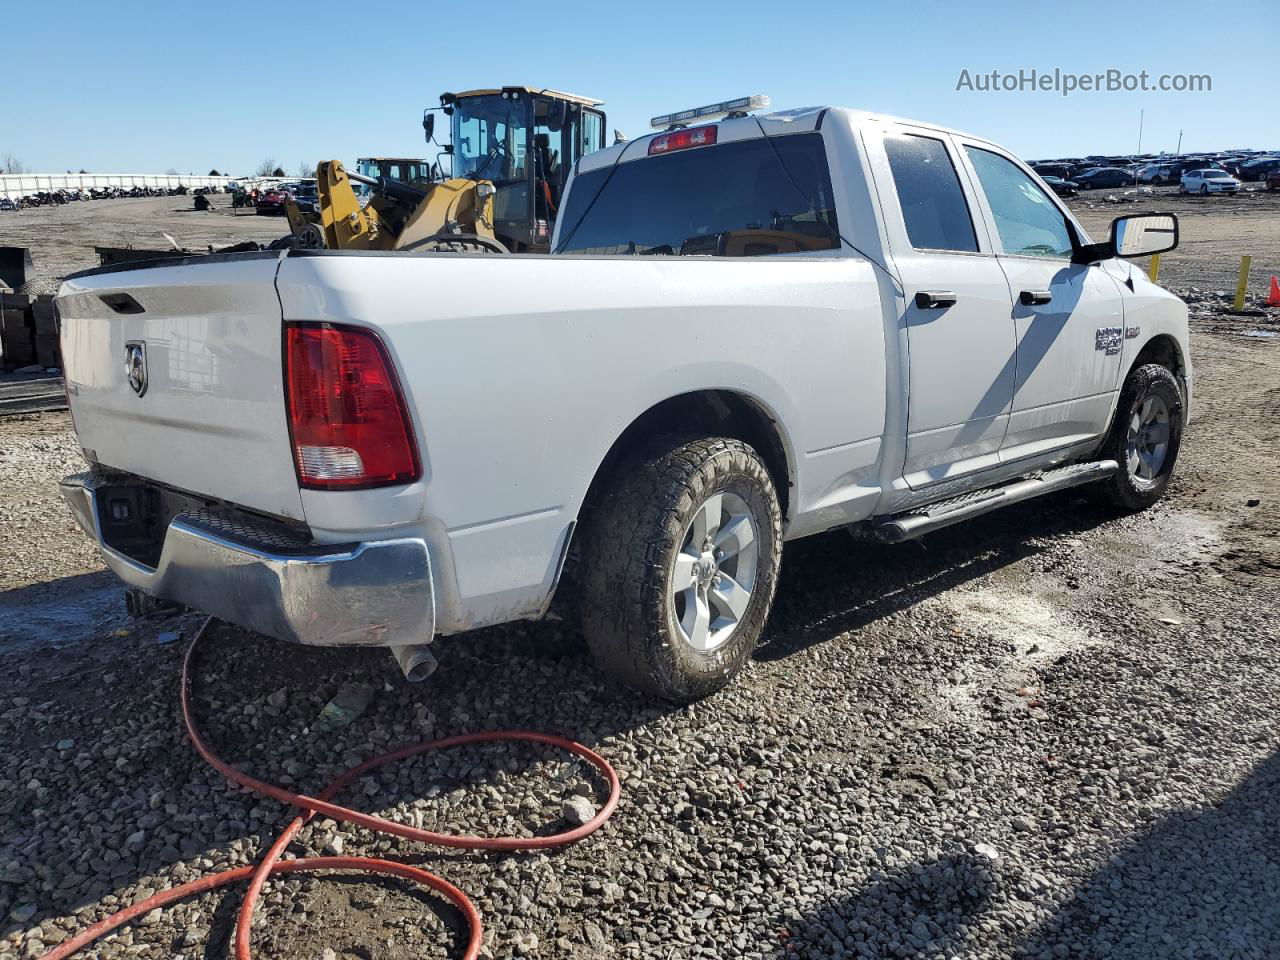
{"x":416,"y":662}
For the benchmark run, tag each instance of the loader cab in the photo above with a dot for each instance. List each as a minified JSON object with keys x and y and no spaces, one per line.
{"x":525,"y":141}
{"x":403,"y":169}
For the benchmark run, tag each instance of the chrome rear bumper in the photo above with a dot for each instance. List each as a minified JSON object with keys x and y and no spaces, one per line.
{"x":376,"y":593}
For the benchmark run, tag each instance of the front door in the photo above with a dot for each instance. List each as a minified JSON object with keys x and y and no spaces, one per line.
{"x":1068,"y":316}
{"x":958,"y":323}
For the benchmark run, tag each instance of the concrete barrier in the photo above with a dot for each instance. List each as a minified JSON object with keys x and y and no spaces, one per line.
{"x":15,"y":185}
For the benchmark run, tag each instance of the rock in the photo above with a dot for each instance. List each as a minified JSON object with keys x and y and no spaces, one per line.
{"x":525,"y":944}
{"x":66,"y":744}
{"x":578,"y":810}
{"x":23,"y":913}
{"x":986,"y":850}
{"x":334,"y":847}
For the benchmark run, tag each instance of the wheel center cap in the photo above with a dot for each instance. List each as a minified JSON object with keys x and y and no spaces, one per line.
{"x":706,"y":568}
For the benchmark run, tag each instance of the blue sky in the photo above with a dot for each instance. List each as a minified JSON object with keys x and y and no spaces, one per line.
{"x":143,"y":87}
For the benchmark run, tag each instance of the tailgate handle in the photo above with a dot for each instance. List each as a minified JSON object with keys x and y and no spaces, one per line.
{"x":121,"y":303}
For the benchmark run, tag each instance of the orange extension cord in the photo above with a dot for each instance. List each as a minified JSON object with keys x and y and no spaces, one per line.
{"x":310,"y":806}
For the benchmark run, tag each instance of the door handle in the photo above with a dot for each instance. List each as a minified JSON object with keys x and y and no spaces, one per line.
{"x":1035,"y":298}
{"x":934,"y":299}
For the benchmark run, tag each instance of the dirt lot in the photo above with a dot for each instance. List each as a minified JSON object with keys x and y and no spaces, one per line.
{"x":1052,"y":732}
{"x":62,"y":238}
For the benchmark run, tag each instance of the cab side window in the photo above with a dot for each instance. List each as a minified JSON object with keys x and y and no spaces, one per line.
{"x":933,"y":204}
{"x":1029,"y":223}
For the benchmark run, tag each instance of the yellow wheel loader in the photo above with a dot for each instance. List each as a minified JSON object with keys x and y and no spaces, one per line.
{"x":511,"y":152}
{"x":454,"y":214}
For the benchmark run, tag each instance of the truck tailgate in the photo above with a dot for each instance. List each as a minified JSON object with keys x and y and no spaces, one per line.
{"x":209,"y":416}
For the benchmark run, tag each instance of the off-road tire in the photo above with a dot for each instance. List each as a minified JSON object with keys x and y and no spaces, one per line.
{"x":631,"y":537}
{"x":1123,"y":489}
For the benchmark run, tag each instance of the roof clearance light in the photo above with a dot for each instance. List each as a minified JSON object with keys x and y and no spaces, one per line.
{"x":757,"y":102}
{"x":682,"y":139}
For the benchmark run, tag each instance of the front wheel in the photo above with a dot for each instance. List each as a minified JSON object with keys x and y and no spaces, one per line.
{"x":680,"y":561}
{"x":1145,"y":438}
{"x":1204,"y":189}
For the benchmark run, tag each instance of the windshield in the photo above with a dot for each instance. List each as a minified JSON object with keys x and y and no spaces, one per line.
{"x":741,"y":199}
{"x":490,"y":138}
{"x":406,"y":171}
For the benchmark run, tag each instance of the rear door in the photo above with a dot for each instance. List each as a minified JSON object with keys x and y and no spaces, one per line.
{"x":1067,"y":316}
{"x":957,"y":316}
{"x":175,"y":374}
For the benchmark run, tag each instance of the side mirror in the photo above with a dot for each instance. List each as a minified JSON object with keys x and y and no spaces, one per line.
{"x":429,"y":125}
{"x":1144,"y":234}
{"x":1137,"y":235}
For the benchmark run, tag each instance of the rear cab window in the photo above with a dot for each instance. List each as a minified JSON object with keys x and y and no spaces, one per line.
{"x":743,"y":198}
{"x":933,"y":205}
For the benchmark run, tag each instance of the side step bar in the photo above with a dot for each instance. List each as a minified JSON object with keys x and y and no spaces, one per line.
{"x":935,"y":516}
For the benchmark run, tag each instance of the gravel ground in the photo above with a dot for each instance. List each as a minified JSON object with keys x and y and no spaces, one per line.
{"x":1051,"y":732}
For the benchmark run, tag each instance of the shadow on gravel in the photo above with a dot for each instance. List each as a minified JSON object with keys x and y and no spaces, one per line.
{"x":55,"y":612}
{"x":1203,"y":883}
{"x":925,"y":909}
{"x":832,"y":584}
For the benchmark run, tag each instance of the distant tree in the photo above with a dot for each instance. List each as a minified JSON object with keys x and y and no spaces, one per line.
{"x":306,"y":169}
{"x":265,"y":167}
{"x":171,"y":172}
{"x":83,"y":170}
{"x":12,"y":164}
{"x":279,"y":172}
{"x":214,"y":172}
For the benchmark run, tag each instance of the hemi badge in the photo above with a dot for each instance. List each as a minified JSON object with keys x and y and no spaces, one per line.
{"x":1131,"y":332}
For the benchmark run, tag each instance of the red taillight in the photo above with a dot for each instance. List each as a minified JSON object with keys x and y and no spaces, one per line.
{"x":683,"y":139}
{"x":346,"y":413}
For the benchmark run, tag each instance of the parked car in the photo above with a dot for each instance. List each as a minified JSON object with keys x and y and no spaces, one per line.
{"x":408,"y":446}
{"x":1046,"y":170}
{"x":271,"y":201}
{"x":1157,"y":174}
{"x":1273,"y":180}
{"x":1257,"y":169}
{"x":1103,"y":177}
{"x":1063,"y":188}
{"x":306,"y":196}
{"x":1209,"y":181}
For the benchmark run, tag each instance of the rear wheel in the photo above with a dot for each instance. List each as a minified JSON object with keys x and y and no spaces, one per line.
{"x":680,"y":562}
{"x":1145,"y":438}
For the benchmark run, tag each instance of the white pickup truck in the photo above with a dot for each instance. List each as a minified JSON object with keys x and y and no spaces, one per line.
{"x":751,"y":331}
